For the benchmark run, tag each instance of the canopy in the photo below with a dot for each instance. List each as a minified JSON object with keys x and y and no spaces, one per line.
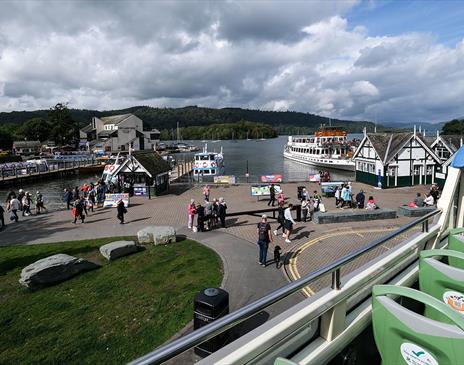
{"x":458,"y":160}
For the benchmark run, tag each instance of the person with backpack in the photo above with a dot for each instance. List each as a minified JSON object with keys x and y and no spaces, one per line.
{"x":78,"y":211}
{"x":264,"y":237}
{"x":121,"y":211}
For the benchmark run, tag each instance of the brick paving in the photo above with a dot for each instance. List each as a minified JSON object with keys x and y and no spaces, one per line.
{"x":171,"y":209}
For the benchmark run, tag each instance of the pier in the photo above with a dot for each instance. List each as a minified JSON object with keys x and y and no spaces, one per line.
{"x":182,"y":169}
{"x":15,"y":176}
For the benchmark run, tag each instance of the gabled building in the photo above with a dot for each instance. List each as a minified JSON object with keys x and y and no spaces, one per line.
{"x":395,"y":159}
{"x":26,"y":147}
{"x":119,"y":132}
{"x":445,"y":147}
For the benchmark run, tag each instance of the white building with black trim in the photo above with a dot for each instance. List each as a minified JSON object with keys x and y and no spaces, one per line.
{"x":445,"y":147}
{"x":395,"y":159}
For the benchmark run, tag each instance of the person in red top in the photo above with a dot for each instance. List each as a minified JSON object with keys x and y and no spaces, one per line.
{"x":191,"y":213}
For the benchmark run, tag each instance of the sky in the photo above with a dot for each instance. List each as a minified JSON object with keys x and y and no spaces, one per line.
{"x":385,"y":61}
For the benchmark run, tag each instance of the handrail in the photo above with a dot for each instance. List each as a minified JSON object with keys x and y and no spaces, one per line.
{"x":211,"y":330}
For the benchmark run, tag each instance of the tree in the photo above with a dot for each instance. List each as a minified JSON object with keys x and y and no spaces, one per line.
{"x":456,"y":126}
{"x":6,"y":138}
{"x":64,"y":129}
{"x":36,"y":129}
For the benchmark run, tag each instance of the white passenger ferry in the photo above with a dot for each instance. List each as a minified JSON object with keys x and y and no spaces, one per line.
{"x":208,"y":163}
{"x":328,"y":148}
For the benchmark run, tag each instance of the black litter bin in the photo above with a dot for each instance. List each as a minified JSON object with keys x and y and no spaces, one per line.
{"x":300,"y":192}
{"x":209,"y":305}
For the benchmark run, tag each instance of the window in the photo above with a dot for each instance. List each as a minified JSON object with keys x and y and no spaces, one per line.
{"x":392,"y":171}
{"x":429,"y":170}
{"x":416,"y":170}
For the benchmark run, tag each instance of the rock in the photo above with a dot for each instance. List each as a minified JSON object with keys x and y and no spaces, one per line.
{"x":53,"y":269}
{"x":158,"y":235}
{"x":113,"y":250}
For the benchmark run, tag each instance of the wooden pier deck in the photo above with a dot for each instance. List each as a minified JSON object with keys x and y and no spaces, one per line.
{"x":20,"y":175}
{"x":180,"y":170}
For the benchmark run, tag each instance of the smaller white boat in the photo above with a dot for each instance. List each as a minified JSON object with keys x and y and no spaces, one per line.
{"x":208,"y":163}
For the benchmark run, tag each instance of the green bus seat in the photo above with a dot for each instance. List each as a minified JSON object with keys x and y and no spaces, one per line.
{"x":442,"y":281}
{"x":405,"y":337}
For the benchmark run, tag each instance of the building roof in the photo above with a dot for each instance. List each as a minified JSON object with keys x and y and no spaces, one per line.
{"x":452,"y":141}
{"x":88,"y":128}
{"x":152,"y":162}
{"x":387,"y":145}
{"x":115,"y":119}
{"x":26,"y":144}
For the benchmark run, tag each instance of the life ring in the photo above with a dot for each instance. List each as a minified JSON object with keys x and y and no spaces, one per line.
{"x":205,"y":164}
{"x":213,"y":164}
{"x":111,"y":168}
{"x":197,"y":164}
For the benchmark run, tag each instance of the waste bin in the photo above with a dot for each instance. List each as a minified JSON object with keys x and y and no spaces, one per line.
{"x":209,"y":305}
{"x":300,"y":192}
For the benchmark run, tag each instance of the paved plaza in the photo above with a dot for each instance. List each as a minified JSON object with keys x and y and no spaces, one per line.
{"x":313,"y":245}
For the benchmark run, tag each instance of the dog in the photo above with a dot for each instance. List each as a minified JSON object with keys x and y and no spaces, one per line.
{"x":277,"y":250}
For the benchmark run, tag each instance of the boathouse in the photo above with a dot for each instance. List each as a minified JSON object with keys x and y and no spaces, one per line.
{"x":395,"y":159}
{"x":118,"y":133}
{"x":144,"y":168}
{"x":26,"y":147}
{"x":445,"y":147}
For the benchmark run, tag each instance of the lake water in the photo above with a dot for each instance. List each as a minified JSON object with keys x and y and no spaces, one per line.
{"x":264,"y":158}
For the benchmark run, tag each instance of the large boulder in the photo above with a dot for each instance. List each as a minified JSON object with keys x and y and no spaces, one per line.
{"x":158,"y":235}
{"x":113,"y":250}
{"x":53,"y":269}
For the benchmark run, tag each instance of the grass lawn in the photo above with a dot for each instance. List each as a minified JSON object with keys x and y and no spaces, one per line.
{"x":107,"y":316}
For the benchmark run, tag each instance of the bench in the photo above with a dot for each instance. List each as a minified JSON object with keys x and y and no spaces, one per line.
{"x":353,"y":215}
{"x":406,"y":211}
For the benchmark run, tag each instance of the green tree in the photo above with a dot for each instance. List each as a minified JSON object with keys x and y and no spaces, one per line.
{"x":36,"y":129}
{"x":455,"y":126}
{"x":64,"y":129}
{"x":6,"y":138}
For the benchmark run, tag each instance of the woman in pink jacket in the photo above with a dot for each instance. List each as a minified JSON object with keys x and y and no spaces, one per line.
{"x":191,"y":213}
{"x":281,"y":198}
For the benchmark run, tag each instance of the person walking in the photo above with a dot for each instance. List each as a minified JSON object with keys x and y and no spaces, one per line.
{"x":76,"y":194}
{"x":14,"y":207}
{"x":360,"y":198}
{"x":272,"y":197}
{"x":281,"y":197}
{"x":191,"y":213}
{"x":346,"y":197}
{"x":264,"y":237}
{"x":21,"y":195}
{"x":208,"y":214}
{"x":305,"y":209}
{"x":280,"y":219}
{"x":78,"y":211}
{"x":121,"y":211}
{"x":67,"y":197}
{"x":39,"y":203}
{"x":222,"y":208}
{"x":338,"y":194}
{"x":289,"y":222}
{"x":27,"y":201}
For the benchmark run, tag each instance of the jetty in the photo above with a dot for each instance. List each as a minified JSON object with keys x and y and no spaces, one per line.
{"x":15,"y":176}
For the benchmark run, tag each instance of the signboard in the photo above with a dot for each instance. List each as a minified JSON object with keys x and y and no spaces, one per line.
{"x":111,"y":200}
{"x":224,"y":179}
{"x":140,"y":190}
{"x":315,"y":178}
{"x":262,"y":190}
{"x":271,"y":178}
{"x":440,"y":175}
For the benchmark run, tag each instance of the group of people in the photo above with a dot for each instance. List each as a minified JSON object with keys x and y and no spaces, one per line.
{"x":344,"y":198}
{"x":23,"y":202}
{"x":208,"y":215}
{"x":426,"y":200}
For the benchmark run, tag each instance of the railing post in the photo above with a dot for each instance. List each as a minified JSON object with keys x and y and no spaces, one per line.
{"x":425,"y":226}
{"x":336,"y":284}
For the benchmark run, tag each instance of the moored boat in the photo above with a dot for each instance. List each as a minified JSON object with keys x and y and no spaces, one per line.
{"x":328,"y":148}
{"x":208,"y":163}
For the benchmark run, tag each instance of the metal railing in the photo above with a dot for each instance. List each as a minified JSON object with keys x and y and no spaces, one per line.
{"x":211,"y":330}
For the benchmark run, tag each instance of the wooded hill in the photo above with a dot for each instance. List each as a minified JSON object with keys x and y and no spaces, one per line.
{"x":287,"y":122}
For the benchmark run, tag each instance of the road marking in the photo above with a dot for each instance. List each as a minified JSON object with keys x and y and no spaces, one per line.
{"x":295,"y":275}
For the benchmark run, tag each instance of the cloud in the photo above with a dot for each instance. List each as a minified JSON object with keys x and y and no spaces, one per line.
{"x":302,"y":56}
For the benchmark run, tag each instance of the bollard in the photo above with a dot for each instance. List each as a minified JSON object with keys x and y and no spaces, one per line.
{"x":298,"y":212}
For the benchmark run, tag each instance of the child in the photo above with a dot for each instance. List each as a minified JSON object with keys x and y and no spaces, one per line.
{"x":121,"y":211}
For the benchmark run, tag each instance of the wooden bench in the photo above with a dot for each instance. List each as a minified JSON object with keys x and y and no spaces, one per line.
{"x":406,"y":211}
{"x":355,"y":215}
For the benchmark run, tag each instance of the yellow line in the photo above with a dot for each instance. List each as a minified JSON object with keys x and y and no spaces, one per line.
{"x":294,"y":258}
